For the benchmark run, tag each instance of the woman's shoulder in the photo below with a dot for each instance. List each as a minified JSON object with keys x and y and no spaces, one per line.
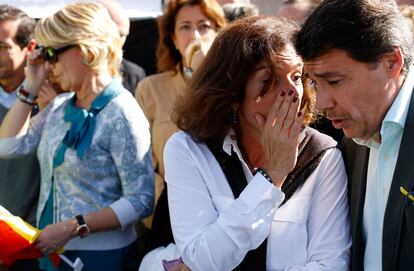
{"x":155,"y":80}
{"x":182,"y":140}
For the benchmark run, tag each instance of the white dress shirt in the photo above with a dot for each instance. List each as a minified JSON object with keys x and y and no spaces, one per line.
{"x":214,"y":231}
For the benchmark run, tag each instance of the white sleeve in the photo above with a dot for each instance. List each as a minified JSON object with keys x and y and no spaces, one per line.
{"x":209,"y":240}
{"x":329,"y":239}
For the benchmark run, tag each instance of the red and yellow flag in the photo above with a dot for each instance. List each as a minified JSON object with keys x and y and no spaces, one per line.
{"x":16,"y":238}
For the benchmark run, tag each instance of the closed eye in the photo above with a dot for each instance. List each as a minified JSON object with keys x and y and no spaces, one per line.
{"x":334,"y":82}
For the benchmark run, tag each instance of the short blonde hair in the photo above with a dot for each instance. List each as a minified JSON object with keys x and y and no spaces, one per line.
{"x":89,"y":26}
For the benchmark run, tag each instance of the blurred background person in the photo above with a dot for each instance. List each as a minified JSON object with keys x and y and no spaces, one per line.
{"x":19,"y":189}
{"x":183,"y":22}
{"x":248,"y":188}
{"x":93,"y":143}
{"x":239,"y":10}
{"x":296,"y":10}
{"x":408,"y":13}
{"x":131,"y":73}
{"x":405,"y":2}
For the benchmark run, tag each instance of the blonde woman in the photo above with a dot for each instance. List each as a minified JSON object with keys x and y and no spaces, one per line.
{"x":93,"y":143}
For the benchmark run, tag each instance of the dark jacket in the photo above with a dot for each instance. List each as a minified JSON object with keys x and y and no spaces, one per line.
{"x":398,"y":227}
{"x":131,"y":75}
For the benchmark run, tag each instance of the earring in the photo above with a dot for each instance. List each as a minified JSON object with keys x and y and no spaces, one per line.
{"x":234,"y":114}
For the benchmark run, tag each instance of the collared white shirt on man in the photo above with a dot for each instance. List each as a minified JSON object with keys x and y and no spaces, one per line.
{"x":214,"y":231}
{"x":7,"y":99}
{"x":381,"y":166}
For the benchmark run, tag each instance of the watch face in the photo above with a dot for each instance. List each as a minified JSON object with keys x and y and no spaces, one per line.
{"x":82,"y":230}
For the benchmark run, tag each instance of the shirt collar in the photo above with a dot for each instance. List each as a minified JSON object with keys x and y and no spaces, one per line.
{"x":399,"y":108}
{"x":397,"y":114}
{"x":7,"y":99}
{"x":230,"y":142}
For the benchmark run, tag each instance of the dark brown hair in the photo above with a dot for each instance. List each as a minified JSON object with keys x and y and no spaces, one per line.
{"x":167,"y":55}
{"x":26,"y":24}
{"x":365,"y":29}
{"x":205,"y":111}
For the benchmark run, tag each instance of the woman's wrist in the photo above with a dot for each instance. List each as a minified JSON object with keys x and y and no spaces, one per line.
{"x":26,"y":97}
{"x":31,"y":88}
{"x":277,"y":176}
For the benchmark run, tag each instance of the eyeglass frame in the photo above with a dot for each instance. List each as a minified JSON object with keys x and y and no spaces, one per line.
{"x":51,"y":54}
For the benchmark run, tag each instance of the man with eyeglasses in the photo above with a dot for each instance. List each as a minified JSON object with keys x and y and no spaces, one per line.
{"x":19,"y":177}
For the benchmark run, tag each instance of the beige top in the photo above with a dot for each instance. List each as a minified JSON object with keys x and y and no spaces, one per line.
{"x":157,"y":95}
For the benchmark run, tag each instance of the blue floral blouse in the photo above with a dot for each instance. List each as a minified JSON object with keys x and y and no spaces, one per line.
{"x":116,"y":170}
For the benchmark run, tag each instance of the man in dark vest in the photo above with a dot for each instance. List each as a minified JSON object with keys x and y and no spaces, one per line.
{"x":358,"y":55}
{"x":19,"y":177}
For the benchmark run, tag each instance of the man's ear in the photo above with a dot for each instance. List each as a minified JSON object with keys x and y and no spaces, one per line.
{"x":395,"y":62}
{"x":32,"y":45}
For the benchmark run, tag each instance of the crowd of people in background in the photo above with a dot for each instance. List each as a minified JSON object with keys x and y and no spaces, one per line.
{"x":278,"y":142}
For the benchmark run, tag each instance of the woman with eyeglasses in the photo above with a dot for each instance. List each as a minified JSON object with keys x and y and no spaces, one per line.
{"x":93,"y":144}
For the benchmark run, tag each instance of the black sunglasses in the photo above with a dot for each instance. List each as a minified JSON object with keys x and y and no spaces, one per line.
{"x":50,"y":54}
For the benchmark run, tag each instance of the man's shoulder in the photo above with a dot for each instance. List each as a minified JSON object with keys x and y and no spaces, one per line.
{"x":131,"y":68}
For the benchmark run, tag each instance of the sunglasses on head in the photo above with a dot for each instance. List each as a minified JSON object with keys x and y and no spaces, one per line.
{"x":50,"y":54}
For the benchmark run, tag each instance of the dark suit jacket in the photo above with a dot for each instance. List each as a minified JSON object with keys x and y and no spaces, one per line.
{"x":131,"y":75}
{"x":398,"y":228}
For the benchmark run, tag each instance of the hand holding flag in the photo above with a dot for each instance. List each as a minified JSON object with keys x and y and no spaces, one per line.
{"x":17,"y":241}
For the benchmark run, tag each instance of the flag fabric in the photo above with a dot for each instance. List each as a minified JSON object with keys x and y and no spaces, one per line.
{"x":17,"y":239}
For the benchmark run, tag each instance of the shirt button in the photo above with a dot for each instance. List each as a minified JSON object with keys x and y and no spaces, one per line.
{"x":386,"y":157}
{"x":384,"y":191}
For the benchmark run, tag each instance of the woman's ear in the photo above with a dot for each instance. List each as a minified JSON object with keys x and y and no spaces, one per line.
{"x":88,"y":58}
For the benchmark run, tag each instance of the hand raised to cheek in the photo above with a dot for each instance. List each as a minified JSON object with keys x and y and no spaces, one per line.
{"x":279,"y":136}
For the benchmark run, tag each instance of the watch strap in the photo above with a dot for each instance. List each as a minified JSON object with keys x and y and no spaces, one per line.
{"x":82,"y":230}
{"x":26,"y":97}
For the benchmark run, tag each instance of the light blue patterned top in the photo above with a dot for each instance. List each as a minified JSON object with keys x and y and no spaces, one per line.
{"x":115,"y":171}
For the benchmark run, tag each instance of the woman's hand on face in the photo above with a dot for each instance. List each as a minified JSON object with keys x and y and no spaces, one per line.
{"x":279,"y":136}
{"x":46,"y":94}
{"x":35,"y":72}
{"x":53,"y":237}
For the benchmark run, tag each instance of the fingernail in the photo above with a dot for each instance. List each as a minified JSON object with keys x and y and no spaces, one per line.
{"x":290,"y":92}
{"x":282,"y":93}
{"x":295,"y":99}
{"x":299,"y":114}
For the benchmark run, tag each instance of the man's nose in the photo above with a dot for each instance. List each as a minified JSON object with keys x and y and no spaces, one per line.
{"x":324,"y":100}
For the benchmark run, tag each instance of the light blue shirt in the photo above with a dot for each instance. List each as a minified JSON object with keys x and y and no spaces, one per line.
{"x":381,"y":166}
{"x":7,"y":99}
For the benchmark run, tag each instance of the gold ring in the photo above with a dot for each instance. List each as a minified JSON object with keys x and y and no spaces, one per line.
{"x":286,"y":126}
{"x":274,"y":122}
